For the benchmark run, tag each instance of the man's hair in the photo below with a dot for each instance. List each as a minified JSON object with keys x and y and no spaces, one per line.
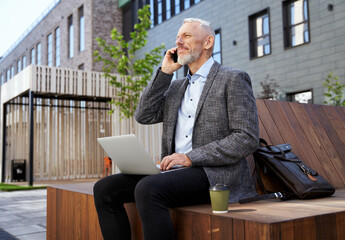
{"x":204,"y":24}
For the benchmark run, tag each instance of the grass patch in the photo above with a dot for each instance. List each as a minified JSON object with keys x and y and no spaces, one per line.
{"x":12,"y":187}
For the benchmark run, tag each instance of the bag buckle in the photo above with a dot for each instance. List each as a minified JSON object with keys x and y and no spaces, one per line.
{"x":278,"y":195}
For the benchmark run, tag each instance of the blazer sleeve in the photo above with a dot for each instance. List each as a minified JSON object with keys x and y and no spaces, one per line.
{"x":243,"y":127}
{"x":151,"y":104}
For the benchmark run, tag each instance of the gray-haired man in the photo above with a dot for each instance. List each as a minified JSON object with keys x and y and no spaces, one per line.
{"x":210,"y":124}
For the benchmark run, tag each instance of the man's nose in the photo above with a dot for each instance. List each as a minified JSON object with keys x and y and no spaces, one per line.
{"x":179,"y":41}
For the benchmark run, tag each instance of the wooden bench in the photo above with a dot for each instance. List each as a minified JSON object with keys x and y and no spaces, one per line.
{"x":317,"y":136}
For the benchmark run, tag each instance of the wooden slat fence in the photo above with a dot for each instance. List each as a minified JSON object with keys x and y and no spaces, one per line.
{"x":65,"y":131}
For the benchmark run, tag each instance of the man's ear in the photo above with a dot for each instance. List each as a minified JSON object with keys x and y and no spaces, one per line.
{"x":208,"y":44}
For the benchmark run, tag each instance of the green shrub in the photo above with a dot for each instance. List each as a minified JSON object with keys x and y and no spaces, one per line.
{"x":335,"y":91}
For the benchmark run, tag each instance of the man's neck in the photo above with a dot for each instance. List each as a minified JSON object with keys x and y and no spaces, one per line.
{"x":194,"y":66}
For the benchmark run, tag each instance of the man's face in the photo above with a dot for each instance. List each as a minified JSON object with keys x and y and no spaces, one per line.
{"x":189,"y":42}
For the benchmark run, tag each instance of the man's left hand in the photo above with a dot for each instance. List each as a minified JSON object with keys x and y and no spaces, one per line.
{"x":175,"y":159}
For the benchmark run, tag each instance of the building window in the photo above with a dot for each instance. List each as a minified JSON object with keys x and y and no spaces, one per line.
{"x":70,"y":36}
{"x":38,"y":54}
{"x":81,"y":29}
{"x":177,"y":7}
{"x":50,"y":50}
{"x":24,"y":62}
{"x":217,"y":50}
{"x":296,"y":23}
{"x":186,"y":4}
{"x":81,"y":66}
{"x":162,"y":10}
{"x":259,"y":33}
{"x":57,"y":47}
{"x":8,"y":75}
{"x":32,"y":56}
{"x":12,"y":71}
{"x":168,"y":9}
{"x":19,"y":66}
{"x":301,"y":97}
{"x":2,"y":79}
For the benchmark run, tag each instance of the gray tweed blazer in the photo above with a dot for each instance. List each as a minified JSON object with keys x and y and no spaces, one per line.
{"x":226,"y":126}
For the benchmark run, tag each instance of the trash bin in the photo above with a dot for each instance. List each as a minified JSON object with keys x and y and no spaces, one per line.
{"x":18,"y":170}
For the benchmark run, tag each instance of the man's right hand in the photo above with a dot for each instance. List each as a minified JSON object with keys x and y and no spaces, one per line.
{"x":168,"y":65}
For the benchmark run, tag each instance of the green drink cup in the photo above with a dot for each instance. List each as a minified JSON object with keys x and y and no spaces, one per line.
{"x":219,"y":198}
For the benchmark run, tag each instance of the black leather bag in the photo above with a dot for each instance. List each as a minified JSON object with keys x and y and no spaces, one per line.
{"x":278,"y":168}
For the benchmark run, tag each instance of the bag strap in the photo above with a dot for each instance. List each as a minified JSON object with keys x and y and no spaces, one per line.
{"x":279,"y":195}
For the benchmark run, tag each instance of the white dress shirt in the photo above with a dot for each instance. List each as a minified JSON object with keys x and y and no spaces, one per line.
{"x":187,"y":110}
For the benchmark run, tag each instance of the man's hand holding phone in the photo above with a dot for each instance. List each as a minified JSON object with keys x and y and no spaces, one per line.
{"x":170,"y":63}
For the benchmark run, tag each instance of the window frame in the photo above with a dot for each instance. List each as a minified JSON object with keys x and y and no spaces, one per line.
{"x":33,"y":56}
{"x":70,"y":37}
{"x":287,"y":27}
{"x":24,"y":62}
{"x":39,"y":54}
{"x":290,"y":94}
{"x":50,"y":49}
{"x":81,"y":17}
{"x":218,"y":31}
{"x":253,"y":39}
{"x":19,"y":65}
{"x":57,"y":45}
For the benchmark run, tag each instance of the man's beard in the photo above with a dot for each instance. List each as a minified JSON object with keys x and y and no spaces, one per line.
{"x":189,"y":57}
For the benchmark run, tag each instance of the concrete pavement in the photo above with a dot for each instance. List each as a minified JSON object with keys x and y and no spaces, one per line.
{"x":23,"y":215}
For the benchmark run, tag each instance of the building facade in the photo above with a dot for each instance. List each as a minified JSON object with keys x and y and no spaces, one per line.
{"x":50,"y":77}
{"x":65,"y":37}
{"x":296,"y":43}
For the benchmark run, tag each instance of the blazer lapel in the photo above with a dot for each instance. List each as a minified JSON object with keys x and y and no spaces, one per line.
{"x":210,"y":78}
{"x":175,"y":107}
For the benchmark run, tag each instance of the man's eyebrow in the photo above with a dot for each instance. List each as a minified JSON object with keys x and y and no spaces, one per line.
{"x":184,"y":33}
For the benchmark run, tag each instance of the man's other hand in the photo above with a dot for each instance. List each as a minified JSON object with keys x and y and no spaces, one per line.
{"x":175,"y":159}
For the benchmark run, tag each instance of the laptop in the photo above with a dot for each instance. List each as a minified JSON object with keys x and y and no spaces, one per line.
{"x":130,"y":156}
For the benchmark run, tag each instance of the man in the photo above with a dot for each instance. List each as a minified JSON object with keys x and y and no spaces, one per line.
{"x":210,"y":125}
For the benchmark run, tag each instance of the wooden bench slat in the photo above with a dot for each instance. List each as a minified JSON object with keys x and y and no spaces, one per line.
{"x":303,"y":139}
{"x":268,"y":123}
{"x":329,"y":129}
{"x":337,"y":124}
{"x":315,"y":143}
{"x":263,"y":132}
{"x":305,"y":229}
{"x":286,"y":130}
{"x":335,"y":142}
{"x":325,"y":142}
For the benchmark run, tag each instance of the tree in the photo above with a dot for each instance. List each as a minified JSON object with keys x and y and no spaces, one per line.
{"x":335,"y":91}
{"x":269,"y":89}
{"x":121,"y":57}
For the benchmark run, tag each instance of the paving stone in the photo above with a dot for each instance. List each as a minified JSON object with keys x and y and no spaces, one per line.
{"x":29,"y":229}
{"x":23,"y":215}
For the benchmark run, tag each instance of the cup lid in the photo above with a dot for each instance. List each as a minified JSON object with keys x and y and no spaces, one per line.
{"x":219,"y":187}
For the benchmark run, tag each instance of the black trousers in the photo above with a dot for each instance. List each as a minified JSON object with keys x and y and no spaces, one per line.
{"x":153,"y":196}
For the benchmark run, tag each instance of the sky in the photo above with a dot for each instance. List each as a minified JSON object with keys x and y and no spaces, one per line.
{"x":16,"y":16}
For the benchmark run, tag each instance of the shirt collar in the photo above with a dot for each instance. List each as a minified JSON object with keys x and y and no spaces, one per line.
{"x":204,"y":70}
